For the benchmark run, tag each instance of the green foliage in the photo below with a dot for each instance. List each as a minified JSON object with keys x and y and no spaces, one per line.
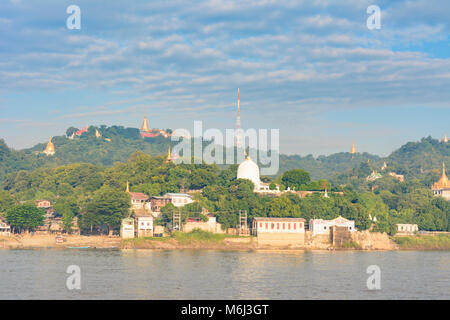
{"x":295,"y":178}
{"x":282,"y":207}
{"x":25,"y":217}
{"x":110,"y":206}
{"x":424,"y":242}
{"x":6,"y":201}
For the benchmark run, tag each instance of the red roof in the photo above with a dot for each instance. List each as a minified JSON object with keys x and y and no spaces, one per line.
{"x":80,"y":132}
{"x":138,"y":196}
{"x":149,"y":135}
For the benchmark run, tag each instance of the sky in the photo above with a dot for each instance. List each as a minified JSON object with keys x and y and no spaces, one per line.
{"x":310,"y":68}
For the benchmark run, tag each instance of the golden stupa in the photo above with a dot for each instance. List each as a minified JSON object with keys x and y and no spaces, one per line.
{"x":443,"y":182}
{"x":145,"y":127}
{"x":353,"y":150}
{"x":445,"y":140}
{"x":169,"y":156}
{"x":50,"y":148}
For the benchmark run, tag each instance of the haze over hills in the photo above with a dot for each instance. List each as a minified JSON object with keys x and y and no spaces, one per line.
{"x":116,"y":144}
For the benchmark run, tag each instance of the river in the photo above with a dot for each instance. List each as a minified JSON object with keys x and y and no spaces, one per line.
{"x":203,"y":274}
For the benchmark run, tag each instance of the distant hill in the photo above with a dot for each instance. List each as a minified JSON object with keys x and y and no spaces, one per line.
{"x":117,"y":143}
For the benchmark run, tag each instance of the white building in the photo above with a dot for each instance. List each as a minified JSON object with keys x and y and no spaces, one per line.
{"x":249,"y":170}
{"x":5,"y":229}
{"x":145,"y":226}
{"x":179,"y":199}
{"x":127,"y":228}
{"x":279,"y":231}
{"x":406,"y":228}
{"x":320,"y":226}
{"x":278,"y":225}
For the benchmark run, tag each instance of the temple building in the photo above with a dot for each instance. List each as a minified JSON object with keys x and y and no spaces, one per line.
{"x":80,"y":132}
{"x":50,"y":148}
{"x":249,"y":170}
{"x":146,"y":132}
{"x":374,"y":176}
{"x":353,"y":150}
{"x":445,"y":139}
{"x":442,"y":187}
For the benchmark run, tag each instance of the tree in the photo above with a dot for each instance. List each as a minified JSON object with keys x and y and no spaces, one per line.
{"x":6,"y":201}
{"x":282,"y":207}
{"x":68,"y":208}
{"x":25,"y":217}
{"x":110,"y":205}
{"x":295,"y":178}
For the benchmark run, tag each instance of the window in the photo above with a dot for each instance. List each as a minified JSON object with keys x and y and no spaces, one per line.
{"x":273,"y":225}
{"x":278,"y":226}
{"x":289,"y":226}
{"x":267,"y":225}
{"x":295,"y":226}
{"x":260,"y":224}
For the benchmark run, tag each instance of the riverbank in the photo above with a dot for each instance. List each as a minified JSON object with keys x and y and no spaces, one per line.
{"x":200,"y":240}
{"x":423,"y":242}
{"x":46,"y":241}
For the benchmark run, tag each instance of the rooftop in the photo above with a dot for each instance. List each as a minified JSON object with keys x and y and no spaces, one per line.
{"x":279,"y":219}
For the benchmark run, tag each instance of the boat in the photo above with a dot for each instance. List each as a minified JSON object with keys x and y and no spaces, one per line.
{"x":68,"y":247}
{"x":106,"y":248}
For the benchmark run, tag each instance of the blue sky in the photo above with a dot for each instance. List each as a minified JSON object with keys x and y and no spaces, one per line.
{"x":310,"y":68}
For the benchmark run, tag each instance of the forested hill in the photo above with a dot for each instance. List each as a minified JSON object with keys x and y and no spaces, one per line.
{"x":425,"y":155}
{"x":324,"y":167}
{"x":117,"y":143}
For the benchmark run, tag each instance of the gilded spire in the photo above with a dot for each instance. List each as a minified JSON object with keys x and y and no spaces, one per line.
{"x":50,"y":148}
{"x":443,"y":182}
{"x":445,"y":140}
{"x":128,"y":187}
{"x":97,"y":134}
{"x":145,"y":127}
{"x":169,"y":156}
{"x":353,"y":150}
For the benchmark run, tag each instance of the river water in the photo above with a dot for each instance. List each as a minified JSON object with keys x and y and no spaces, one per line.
{"x":186,"y":274}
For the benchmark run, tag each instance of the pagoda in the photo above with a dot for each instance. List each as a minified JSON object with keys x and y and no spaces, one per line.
{"x":146,"y":132}
{"x":353,"y":150}
{"x":50,"y":148}
{"x":442,"y":187}
{"x":445,"y":139}
{"x":169,"y":156}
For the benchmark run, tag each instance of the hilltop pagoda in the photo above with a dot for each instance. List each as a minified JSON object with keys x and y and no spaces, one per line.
{"x":442,"y":187}
{"x":146,"y":132}
{"x":353,"y":150}
{"x":50,"y":148}
{"x":169,"y":156}
{"x":445,"y":139}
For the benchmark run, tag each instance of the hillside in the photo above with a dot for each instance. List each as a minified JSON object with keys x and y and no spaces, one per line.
{"x":117,"y":143}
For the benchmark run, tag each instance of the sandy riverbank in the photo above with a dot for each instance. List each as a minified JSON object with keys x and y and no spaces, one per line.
{"x":210,"y":242}
{"x":49,"y":241}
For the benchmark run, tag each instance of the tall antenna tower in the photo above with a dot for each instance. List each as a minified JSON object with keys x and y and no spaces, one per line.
{"x":238,"y":143}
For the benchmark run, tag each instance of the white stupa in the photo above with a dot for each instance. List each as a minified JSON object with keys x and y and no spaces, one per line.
{"x":249,"y":170}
